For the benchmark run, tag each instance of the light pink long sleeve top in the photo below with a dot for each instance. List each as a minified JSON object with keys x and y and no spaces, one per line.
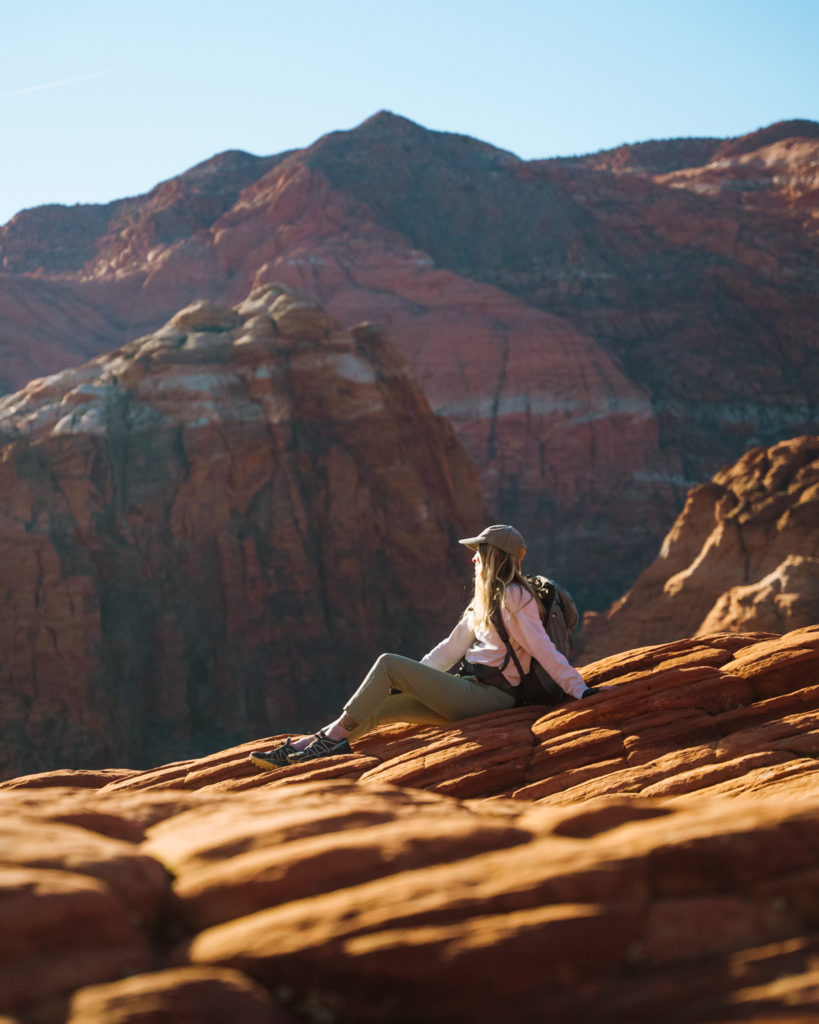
{"x":527,"y":635}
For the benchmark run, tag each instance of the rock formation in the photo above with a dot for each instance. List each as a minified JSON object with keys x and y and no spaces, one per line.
{"x":743,"y":555}
{"x":648,"y":854}
{"x":602,"y":332}
{"x":214,"y":530}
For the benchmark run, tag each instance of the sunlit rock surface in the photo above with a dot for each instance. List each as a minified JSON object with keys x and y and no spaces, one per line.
{"x":649,"y":854}
{"x":742,"y":555}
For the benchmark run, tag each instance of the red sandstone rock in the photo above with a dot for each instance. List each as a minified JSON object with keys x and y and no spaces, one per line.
{"x":601,"y":332}
{"x":47,"y":326}
{"x":76,"y":908}
{"x":663,"y":710}
{"x":135,"y":880}
{"x":194,"y":995}
{"x":333,"y":854}
{"x":205,"y":531}
{"x":759,"y":172}
{"x":60,"y":930}
{"x":75,"y":778}
{"x":657,"y":862}
{"x":789,"y":593}
{"x":607,"y":903}
{"x":741,"y":556}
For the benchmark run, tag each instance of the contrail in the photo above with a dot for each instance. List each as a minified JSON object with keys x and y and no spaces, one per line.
{"x":54,"y":85}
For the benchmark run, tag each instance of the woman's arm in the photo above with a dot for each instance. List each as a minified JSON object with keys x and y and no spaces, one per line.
{"x":521,"y":616}
{"x":450,"y":651}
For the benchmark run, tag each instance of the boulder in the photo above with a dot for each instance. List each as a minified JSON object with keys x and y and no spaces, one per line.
{"x":742,"y":556}
{"x":296,"y":317}
{"x":787,"y":597}
{"x":203,"y":315}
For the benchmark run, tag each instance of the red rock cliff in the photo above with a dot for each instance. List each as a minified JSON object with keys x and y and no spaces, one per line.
{"x":215,"y":529}
{"x":743,"y":554}
{"x":602,"y":332}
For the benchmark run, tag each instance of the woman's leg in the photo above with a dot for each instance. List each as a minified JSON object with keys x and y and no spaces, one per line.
{"x":425,"y":695}
{"x":398,"y":707}
{"x":421,"y":687}
{"x":450,"y":697}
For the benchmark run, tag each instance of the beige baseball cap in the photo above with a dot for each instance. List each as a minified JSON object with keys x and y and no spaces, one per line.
{"x":506,"y":538}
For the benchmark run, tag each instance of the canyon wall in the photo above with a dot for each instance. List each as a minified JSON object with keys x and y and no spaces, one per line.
{"x":602,"y":332}
{"x":215,"y":529}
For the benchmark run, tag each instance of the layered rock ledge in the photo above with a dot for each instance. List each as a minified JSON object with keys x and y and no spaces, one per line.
{"x":649,"y":854}
{"x":742,"y":555}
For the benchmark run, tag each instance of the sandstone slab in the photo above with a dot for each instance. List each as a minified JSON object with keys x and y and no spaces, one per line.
{"x":190,"y":994}
{"x":647,"y":854}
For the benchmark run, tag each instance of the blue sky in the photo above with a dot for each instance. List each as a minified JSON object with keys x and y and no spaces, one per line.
{"x":100,"y":100}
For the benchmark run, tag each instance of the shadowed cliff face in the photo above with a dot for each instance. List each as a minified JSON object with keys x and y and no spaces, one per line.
{"x":691,"y":280}
{"x":646,"y":855}
{"x":215,"y":527}
{"x":603,"y":332}
{"x":743,"y":554}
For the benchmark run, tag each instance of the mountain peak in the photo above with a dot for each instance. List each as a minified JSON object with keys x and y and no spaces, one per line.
{"x":385,"y":128}
{"x":385,"y":124}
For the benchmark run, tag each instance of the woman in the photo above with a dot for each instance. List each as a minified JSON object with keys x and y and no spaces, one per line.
{"x":428,"y":693}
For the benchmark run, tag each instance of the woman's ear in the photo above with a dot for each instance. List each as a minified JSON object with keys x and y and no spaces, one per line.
{"x":521,"y":556}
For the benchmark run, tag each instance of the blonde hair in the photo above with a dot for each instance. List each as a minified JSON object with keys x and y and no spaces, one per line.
{"x":493,"y":574}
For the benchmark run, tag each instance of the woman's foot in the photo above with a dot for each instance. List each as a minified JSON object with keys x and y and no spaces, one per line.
{"x":279,"y":756}
{"x":275,"y":758}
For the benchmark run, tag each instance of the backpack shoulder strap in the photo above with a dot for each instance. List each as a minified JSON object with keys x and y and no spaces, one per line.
{"x":503,"y":633}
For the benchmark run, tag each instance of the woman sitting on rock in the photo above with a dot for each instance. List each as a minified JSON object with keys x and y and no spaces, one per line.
{"x":427,"y":692}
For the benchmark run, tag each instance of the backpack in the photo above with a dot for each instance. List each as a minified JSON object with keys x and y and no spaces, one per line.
{"x":559,"y":617}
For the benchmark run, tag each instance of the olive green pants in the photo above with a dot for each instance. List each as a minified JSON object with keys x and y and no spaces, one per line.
{"x":427,"y":695}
